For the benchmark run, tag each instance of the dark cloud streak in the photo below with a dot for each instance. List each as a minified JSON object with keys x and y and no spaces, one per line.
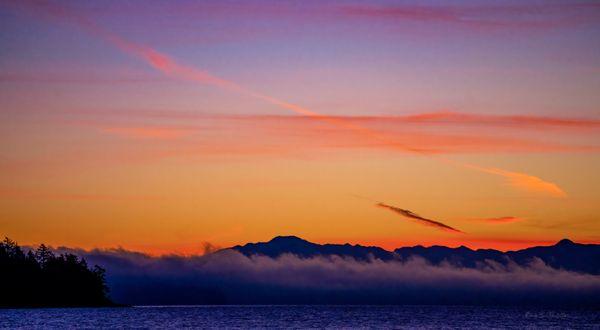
{"x":420,"y":219}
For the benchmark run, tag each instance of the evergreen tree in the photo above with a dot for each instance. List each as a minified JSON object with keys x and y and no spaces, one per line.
{"x":40,"y":278}
{"x":43,"y":255}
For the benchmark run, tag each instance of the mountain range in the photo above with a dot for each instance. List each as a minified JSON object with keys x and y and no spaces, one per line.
{"x":566,"y":254}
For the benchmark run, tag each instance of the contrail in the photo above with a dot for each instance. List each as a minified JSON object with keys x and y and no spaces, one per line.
{"x":420,"y":219}
{"x":170,"y":67}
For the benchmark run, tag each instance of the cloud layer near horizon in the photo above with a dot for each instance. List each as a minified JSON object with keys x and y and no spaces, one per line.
{"x":230,"y":277}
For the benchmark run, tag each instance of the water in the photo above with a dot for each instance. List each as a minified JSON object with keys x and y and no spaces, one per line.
{"x":433,"y":317}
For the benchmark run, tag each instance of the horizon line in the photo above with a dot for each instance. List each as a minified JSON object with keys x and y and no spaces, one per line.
{"x":120,"y":248}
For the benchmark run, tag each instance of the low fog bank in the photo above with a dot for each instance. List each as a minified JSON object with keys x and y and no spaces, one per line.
{"x":228,"y":277}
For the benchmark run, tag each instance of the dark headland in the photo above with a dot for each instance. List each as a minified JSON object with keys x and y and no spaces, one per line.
{"x":39,"y":278}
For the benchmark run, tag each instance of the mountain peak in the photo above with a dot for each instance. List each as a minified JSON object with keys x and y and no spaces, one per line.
{"x":302,"y":248}
{"x":291,"y":238}
{"x":565,"y":242}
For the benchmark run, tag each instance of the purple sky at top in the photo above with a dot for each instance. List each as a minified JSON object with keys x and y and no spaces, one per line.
{"x":376,"y":57}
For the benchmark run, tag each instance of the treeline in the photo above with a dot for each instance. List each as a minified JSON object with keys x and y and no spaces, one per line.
{"x":39,"y":278}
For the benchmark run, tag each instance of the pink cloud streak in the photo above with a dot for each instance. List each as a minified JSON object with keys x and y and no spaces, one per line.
{"x":170,"y":67}
{"x":500,"y":220}
{"x":483,"y":17}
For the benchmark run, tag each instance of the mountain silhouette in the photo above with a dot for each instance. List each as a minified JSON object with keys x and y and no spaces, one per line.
{"x":305,"y":249}
{"x":566,"y":254}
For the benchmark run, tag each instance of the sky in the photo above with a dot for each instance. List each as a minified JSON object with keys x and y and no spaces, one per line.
{"x":158,"y":126}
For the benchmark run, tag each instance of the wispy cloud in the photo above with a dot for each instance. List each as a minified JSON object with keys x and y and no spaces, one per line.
{"x":483,"y":17}
{"x":513,"y":121}
{"x":56,"y":78}
{"x":453,"y":138}
{"x":436,"y":118}
{"x":500,"y":220}
{"x":170,"y":67}
{"x":29,"y":194}
{"x":420,"y":219}
{"x":525,"y":182}
{"x":148,"y":132}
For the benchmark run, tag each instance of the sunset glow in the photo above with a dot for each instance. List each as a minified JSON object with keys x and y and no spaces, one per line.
{"x":173,"y":127}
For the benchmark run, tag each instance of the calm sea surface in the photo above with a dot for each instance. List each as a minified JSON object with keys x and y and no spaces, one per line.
{"x":433,"y":317}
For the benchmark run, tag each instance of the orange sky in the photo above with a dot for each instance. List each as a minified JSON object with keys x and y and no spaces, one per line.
{"x":112,"y":135}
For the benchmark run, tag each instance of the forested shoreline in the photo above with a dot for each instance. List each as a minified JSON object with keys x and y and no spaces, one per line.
{"x":39,"y":278}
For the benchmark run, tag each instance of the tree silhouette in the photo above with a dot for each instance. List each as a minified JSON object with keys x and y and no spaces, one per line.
{"x":43,"y":255}
{"x":40,"y":278}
